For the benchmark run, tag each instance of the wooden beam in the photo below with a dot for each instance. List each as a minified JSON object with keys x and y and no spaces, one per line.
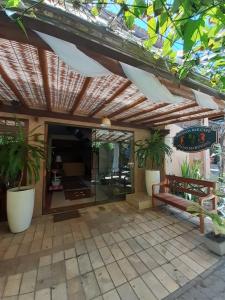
{"x":79,"y":97}
{"x":127,"y":107}
{"x":168,"y":111}
{"x":177,"y":116}
{"x":143,"y":112}
{"x":187,"y":119}
{"x":44,"y":72}
{"x":62,"y":116}
{"x":12,"y":86}
{"x":118,"y":92}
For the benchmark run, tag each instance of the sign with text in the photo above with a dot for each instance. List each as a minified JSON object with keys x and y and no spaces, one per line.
{"x":195,"y":139}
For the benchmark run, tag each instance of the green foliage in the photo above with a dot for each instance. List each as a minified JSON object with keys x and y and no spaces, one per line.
{"x":191,"y":170}
{"x":152,"y":151}
{"x":18,"y":154}
{"x":195,"y":26}
{"x":218,"y":222}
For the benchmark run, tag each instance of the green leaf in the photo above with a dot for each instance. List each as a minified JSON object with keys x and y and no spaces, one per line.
{"x":12,"y":3}
{"x":95,"y":11}
{"x":129,"y":19}
{"x":21,"y":25}
{"x":191,"y":34}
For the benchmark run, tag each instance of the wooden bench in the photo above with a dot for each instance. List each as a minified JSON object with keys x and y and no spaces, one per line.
{"x":172,"y":187}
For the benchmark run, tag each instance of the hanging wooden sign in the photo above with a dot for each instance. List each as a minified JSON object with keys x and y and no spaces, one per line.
{"x":194,"y":139}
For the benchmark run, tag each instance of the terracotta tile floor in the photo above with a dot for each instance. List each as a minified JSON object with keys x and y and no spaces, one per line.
{"x":111,"y":252}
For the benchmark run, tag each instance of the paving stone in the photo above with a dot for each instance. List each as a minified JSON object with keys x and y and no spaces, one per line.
{"x":45,"y":260}
{"x":80,"y":248}
{"x":59,"y":292}
{"x":191,"y":263}
{"x":99,"y":241}
{"x":96,"y":259}
{"x":116,"y":251}
{"x":154,"y":254}
{"x":124,"y":234}
{"x":13,"y":285}
{"x":106,"y":255}
{"x":127,"y":269}
{"x":72,"y":269}
{"x":29,"y":296}
{"x":183,"y":268}
{"x":147,"y":260}
{"x":112,"y":295}
{"x":2,"y":284}
{"x":134,"y":245}
{"x":108,"y":238}
{"x":75,"y":289}
{"x":141,"y":289}
{"x":126,"y":293}
{"x":84,"y":263}
{"x":69,"y":253}
{"x":165,"y":279}
{"x":164,"y":252}
{"x":28,"y":282}
{"x":125,"y":248}
{"x":117,"y":237}
{"x":116,"y":274}
{"x":104,"y":280}
{"x":155,"y":285}
{"x":90,"y":285}
{"x":90,"y":245}
{"x":142,"y":242}
{"x":57,"y":257}
{"x":177,"y":276}
{"x":138,"y":265}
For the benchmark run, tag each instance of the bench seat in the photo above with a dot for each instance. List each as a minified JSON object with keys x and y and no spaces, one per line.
{"x":173,"y":200}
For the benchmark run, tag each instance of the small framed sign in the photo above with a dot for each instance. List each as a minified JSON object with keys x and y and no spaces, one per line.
{"x":195,"y":139}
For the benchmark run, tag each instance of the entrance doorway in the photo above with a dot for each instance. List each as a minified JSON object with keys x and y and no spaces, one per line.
{"x":87,"y":166}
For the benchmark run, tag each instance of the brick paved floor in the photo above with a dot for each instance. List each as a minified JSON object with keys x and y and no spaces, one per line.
{"x":111,"y":252}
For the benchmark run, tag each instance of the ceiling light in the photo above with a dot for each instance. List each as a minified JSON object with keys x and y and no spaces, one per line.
{"x":106,"y":122}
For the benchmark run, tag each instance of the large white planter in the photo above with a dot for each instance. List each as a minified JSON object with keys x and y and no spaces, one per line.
{"x":151,"y":177}
{"x":20,"y":206}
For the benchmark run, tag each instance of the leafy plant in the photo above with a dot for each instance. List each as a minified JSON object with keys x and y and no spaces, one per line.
{"x":151,"y":152}
{"x":218,"y":221}
{"x":18,"y":154}
{"x":191,"y":170}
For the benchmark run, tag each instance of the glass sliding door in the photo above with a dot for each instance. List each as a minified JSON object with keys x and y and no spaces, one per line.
{"x":113,"y":152}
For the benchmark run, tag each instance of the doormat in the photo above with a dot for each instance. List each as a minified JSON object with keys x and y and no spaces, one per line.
{"x":66,"y":215}
{"x":77,"y":194}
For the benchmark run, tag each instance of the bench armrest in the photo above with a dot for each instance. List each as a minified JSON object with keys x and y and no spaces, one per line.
{"x":211,"y":197}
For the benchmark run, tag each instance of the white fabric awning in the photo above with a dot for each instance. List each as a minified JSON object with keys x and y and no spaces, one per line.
{"x":205,"y":100}
{"x":74,"y":58}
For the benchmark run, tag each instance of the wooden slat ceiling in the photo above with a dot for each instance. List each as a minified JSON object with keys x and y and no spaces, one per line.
{"x":37,"y":79}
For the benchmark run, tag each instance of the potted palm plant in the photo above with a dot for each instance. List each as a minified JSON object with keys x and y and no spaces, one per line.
{"x":150,"y":154}
{"x":20,"y":157}
{"x":215,"y":239}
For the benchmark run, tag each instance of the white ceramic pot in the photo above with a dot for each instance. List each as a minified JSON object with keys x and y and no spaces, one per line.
{"x":151,"y":177}
{"x":20,"y":206}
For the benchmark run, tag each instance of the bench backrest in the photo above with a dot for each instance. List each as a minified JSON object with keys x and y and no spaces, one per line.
{"x":191,"y":186}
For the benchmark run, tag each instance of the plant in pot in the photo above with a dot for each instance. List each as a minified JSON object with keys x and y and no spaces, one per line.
{"x":150,"y":154}
{"x":214,"y":240}
{"x":20,"y":157}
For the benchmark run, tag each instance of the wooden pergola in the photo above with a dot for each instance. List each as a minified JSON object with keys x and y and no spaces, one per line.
{"x":34,"y":81}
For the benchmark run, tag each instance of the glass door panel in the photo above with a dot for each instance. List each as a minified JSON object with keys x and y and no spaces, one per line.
{"x":114,"y":161}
